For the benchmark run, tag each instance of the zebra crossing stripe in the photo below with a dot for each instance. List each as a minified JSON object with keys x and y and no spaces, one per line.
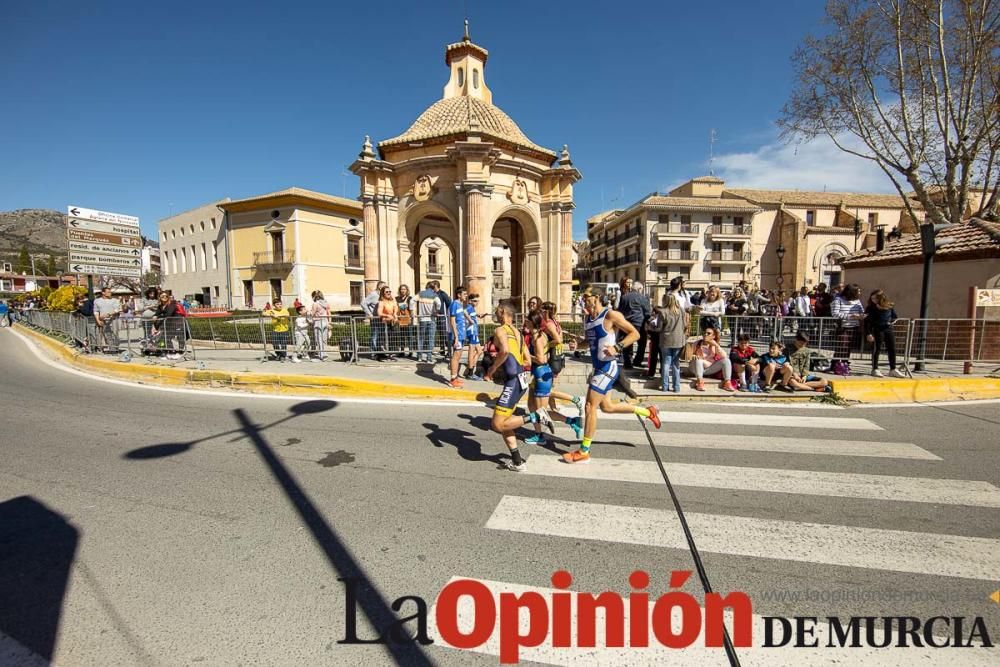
{"x":759,"y":443}
{"x":772,"y":480}
{"x":698,"y":654}
{"x":769,"y":420}
{"x":848,"y":546}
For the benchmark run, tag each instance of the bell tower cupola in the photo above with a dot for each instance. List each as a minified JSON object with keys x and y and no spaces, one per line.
{"x":468,"y":70}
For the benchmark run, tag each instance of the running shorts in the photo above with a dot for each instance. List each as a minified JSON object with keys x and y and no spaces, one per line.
{"x":543,"y":380}
{"x":472,"y":338}
{"x":509,"y":396}
{"x":605,"y":376}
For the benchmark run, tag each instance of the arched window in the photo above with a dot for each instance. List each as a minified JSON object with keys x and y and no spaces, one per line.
{"x":461,"y":77}
{"x":475,"y":79}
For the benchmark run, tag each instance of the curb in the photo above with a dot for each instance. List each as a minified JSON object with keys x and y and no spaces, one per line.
{"x":919,"y":390}
{"x":248,"y":381}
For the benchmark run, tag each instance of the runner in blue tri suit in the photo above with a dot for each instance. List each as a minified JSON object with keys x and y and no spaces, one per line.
{"x":601,"y":327}
{"x":544,"y":379}
{"x":511,"y":356}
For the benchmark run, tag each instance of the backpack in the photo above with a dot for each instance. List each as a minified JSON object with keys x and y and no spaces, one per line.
{"x":841,"y":367}
{"x":180,"y":310}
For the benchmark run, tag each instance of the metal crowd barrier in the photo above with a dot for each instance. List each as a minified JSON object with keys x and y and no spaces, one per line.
{"x":122,"y":334}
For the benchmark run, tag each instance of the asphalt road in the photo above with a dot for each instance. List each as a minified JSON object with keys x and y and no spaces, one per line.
{"x":140,"y":526}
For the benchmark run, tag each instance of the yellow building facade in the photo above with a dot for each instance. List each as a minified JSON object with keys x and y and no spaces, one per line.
{"x":465,"y":176}
{"x":288,"y":243}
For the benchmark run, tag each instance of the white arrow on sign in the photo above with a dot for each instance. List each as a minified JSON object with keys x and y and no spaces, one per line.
{"x":104,"y":249}
{"x":106,"y":227}
{"x":102,"y":216}
{"x":103,"y":260}
{"x":92,"y":269}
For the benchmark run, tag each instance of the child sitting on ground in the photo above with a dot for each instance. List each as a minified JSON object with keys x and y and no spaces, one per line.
{"x":773,"y":363}
{"x":745,"y":366}
{"x":798,"y":360}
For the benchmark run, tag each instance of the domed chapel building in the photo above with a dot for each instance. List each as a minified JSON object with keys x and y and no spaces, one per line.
{"x":461,"y":180}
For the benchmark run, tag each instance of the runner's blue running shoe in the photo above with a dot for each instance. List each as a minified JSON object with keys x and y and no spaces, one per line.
{"x":576,"y":424}
{"x":537,"y":439}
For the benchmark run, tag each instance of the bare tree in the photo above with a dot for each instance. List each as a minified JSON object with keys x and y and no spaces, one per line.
{"x":913,"y":86}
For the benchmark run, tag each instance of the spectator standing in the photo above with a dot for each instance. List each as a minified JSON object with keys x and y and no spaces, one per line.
{"x":709,"y":359}
{"x":321,"y":324}
{"x":388,"y":320}
{"x":713,"y":306}
{"x":429,"y":311}
{"x":681,"y":294}
{"x":456,"y":334}
{"x":280,"y":324}
{"x":824,"y":301}
{"x":635,"y":308}
{"x":170,"y":325}
{"x":850,"y":314}
{"x":301,"y":335}
{"x":654,"y":329}
{"x":443,"y":321}
{"x":106,"y":310}
{"x":880,"y":315}
{"x":147,"y":310}
{"x":472,"y":337}
{"x":86,"y":329}
{"x":675,"y":324}
{"x":801,"y":307}
{"x":370,"y":306}
{"x":407,"y":327}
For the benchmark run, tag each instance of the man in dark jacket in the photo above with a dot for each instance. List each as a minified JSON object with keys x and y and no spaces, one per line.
{"x":635,"y":307}
{"x":442,"y":331}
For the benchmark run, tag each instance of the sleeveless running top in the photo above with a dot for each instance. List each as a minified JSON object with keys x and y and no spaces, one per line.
{"x":598,"y":337}
{"x":514,"y":363}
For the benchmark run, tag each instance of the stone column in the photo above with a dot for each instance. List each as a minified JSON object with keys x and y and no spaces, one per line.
{"x":564,"y":302}
{"x":477,"y":240}
{"x":533,"y":270}
{"x":370,"y":220}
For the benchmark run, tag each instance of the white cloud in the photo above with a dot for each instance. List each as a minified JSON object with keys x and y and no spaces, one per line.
{"x":817,"y":165}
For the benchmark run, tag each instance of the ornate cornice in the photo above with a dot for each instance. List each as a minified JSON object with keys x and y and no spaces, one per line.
{"x":485,"y":189}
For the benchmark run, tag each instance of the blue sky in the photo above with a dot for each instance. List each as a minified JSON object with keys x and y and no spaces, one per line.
{"x":153,"y":108}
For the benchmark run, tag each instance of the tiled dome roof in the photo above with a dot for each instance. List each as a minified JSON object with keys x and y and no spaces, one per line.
{"x":455,"y":117}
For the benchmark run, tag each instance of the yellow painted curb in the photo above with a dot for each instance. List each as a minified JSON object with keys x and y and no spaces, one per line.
{"x":255,"y":382}
{"x":918,"y":390}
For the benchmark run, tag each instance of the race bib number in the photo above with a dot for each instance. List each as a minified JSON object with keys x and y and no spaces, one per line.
{"x":524,"y":379}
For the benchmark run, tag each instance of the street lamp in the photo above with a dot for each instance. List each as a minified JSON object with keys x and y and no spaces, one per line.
{"x":780,"y":252}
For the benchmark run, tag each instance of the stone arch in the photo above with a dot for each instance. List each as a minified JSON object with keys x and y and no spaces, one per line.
{"x":529,"y":222}
{"x":826,"y":270}
{"x":519,"y":227}
{"x":411,"y":216}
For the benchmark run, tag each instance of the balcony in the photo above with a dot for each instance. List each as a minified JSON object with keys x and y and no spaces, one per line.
{"x":731,"y":231}
{"x":676,"y":256}
{"x":434,"y":270}
{"x":675,"y":229}
{"x":353,"y":264}
{"x":274,"y":261}
{"x":728,"y":257}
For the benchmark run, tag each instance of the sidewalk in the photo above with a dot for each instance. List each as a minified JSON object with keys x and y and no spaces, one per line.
{"x":243,"y":370}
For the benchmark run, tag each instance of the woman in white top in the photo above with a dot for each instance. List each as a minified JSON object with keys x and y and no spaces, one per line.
{"x":713,"y":307}
{"x":850,"y":314}
{"x":321,"y":325}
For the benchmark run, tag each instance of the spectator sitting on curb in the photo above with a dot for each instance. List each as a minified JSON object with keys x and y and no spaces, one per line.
{"x":745,"y":365}
{"x":774,"y":362}
{"x":708,"y":360}
{"x":800,"y":378}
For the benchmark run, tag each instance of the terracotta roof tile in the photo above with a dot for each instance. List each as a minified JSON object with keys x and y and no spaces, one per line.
{"x":805,"y":198}
{"x":701,"y":203}
{"x":973,"y":238}
{"x":454,"y":116}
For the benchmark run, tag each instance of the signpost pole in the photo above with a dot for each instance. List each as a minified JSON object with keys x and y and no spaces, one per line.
{"x":90,"y":286}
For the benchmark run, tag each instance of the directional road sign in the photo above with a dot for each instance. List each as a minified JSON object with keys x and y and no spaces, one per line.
{"x":102,"y":216}
{"x":105,"y":227}
{"x":101,"y":270}
{"x":104,"y":260}
{"x":104,"y":249}
{"x":100,"y":237}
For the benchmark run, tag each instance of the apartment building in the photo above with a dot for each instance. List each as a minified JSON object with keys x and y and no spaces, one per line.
{"x":192,"y":255}
{"x":713,"y":235}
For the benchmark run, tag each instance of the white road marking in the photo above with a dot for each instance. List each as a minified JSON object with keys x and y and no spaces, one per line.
{"x":697,"y":654}
{"x":969,"y":493}
{"x":236,"y":394}
{"x":759,"y":443}
{"x":776,"y":422}
{"x":926,"y":404}
{"x":871,"y":548}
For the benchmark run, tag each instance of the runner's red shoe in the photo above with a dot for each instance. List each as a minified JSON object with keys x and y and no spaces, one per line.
{"x":654,"y":415}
